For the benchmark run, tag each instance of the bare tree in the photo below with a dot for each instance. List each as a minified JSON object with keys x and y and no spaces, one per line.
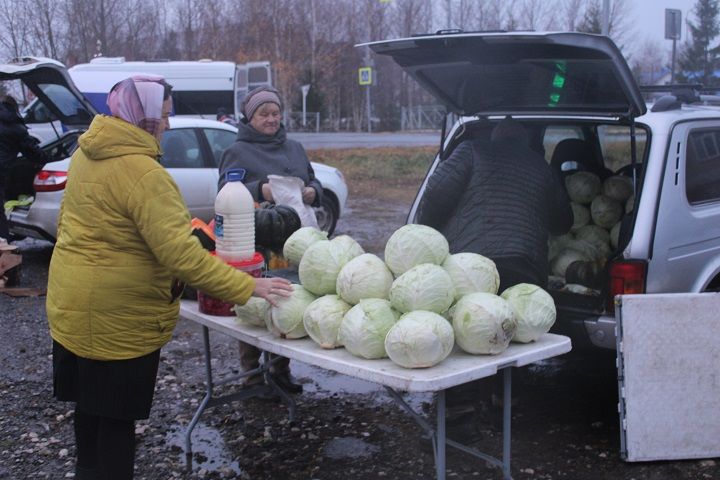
{"x":650,"y":61}
{"x":15,"y":26}
{"x":45,"y":27}
{"x":536,"y":14}
{"x":571,"y":12}
{"x":619,"y":25}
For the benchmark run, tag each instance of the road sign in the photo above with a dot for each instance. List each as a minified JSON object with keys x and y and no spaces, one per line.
{"x":673,"y":24}
{"x":365,"y":75}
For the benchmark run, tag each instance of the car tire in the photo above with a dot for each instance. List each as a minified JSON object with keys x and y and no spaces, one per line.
{"x":327,"y":213}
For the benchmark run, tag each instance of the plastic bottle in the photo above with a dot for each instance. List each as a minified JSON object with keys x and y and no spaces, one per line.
{"x":234,"y":219}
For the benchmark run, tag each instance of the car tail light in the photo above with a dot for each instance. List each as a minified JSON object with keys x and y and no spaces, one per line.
{"x":625,"y":277}
{"x":49,"y":181}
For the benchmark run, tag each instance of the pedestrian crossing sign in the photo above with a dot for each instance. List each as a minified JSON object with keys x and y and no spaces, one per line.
{"x":365,"y":75}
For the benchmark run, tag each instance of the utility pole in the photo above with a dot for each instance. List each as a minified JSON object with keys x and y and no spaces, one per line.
{"x":606,"y":17}
{"x":449,"y":15}
{"x":673,"y":25}
{"x":368,"y":62}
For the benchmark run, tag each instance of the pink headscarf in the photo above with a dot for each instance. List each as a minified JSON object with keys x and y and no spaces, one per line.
{"x":138,"y":100}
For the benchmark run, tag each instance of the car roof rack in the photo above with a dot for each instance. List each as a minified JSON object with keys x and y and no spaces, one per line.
{"x":679,"y":94}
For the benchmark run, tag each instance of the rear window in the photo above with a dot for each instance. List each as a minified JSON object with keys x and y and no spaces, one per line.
{"x":526,"y":86}
{"x":202,"y":102}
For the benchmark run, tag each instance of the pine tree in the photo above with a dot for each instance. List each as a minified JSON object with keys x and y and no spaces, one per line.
{"x":698,"y":59}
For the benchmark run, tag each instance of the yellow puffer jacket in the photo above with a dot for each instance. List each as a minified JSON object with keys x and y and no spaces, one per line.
{"x":123,"y":237}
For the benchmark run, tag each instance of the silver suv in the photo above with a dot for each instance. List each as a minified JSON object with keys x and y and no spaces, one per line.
{"x":577,"y":98}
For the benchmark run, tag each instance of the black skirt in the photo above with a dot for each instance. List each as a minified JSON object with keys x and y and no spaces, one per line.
{"x":121,"y":389}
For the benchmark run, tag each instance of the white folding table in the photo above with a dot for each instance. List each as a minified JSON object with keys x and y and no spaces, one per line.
{"x":457,"y":369}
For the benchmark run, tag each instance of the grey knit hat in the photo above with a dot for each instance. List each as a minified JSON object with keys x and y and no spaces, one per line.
{"x":257,"y":97}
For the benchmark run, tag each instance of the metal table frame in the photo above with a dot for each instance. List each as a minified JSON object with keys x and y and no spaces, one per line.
{"x":393,"y":378}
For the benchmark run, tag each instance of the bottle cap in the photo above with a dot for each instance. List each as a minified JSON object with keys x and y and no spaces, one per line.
{"x":235,"y":175}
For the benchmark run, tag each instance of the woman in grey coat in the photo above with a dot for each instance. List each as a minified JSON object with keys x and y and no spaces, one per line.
{"x":262,"y":148}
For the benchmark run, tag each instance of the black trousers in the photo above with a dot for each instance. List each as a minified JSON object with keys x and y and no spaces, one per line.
{"x":105,"y":447}
{"x":109,"y":396}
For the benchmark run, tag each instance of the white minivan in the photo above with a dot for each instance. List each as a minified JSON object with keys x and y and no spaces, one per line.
{"x":200,"y":88}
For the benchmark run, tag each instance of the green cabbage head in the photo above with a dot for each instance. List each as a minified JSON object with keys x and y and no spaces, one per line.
{"x":351,"y":247}
{"x":471,"y":272}
{"x":322,"y":320}
{"x":582,"y":187}
{"x":287,"y":318}
{"x":320,"y":266}
{"x":299,"y":241}
{"x":618,"y":187}
{"x":483,"y":323}
{"x":254,"y":312}
{"x":605,"y":211}
{"x":364,"y":327}
{"x":561,"y":261}
{"x":420,"y":339}
{"x":534,"y":311}
{"x":424,"y":287}
{"x":581,"y":216}
{"x":365,"y":276}
{"x":412,"y":245}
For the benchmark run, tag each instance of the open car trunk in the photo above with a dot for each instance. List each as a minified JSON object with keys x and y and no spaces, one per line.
{"x":597,"y":151}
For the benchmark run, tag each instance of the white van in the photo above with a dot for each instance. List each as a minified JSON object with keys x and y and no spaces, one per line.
{"x":200,"y":88}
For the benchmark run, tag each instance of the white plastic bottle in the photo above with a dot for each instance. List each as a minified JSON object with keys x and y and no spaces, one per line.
{"x":234,"y":219}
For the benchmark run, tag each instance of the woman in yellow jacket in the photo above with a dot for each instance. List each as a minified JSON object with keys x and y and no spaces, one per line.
{"x":124,"y":241}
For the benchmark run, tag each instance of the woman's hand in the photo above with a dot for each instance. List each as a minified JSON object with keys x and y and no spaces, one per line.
{"x":272,"y":288}
{"x":267,"y":192}
{"x":308,"y":195}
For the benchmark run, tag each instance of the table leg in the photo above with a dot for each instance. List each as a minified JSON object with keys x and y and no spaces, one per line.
{"x":507,"y":411}
{"x":206,"y":399}
{"x":440,"y":437}
{"x":286,"y":399}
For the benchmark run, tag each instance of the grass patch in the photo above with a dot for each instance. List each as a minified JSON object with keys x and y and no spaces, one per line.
{"x":378,"y":164}
{"x":391,"y":174}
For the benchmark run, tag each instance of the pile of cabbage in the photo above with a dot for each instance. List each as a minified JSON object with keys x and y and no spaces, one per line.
{"x":411,"y":307}
{"x":578,"y":257}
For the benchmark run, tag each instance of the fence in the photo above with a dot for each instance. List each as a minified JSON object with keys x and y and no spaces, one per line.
{"x":294,"y":121}
{"x":421,"y":117}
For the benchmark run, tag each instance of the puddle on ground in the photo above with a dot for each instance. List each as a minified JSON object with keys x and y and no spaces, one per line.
{"x":349,"y":447}
{"x":208,"y":446}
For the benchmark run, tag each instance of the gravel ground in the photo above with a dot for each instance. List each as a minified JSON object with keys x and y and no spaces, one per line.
{"x":564,"y":425}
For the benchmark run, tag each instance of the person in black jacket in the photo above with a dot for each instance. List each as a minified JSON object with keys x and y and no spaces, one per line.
{"x":14,"y":139}
{"x":500,"y":199}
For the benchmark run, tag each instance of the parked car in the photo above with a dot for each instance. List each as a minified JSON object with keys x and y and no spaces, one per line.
{"x":192,"y":149}
{"x":573,"y":88}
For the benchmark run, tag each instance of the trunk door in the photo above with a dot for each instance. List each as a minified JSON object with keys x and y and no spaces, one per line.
{"x":520,"y":73}
{"x":50,"y":82}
